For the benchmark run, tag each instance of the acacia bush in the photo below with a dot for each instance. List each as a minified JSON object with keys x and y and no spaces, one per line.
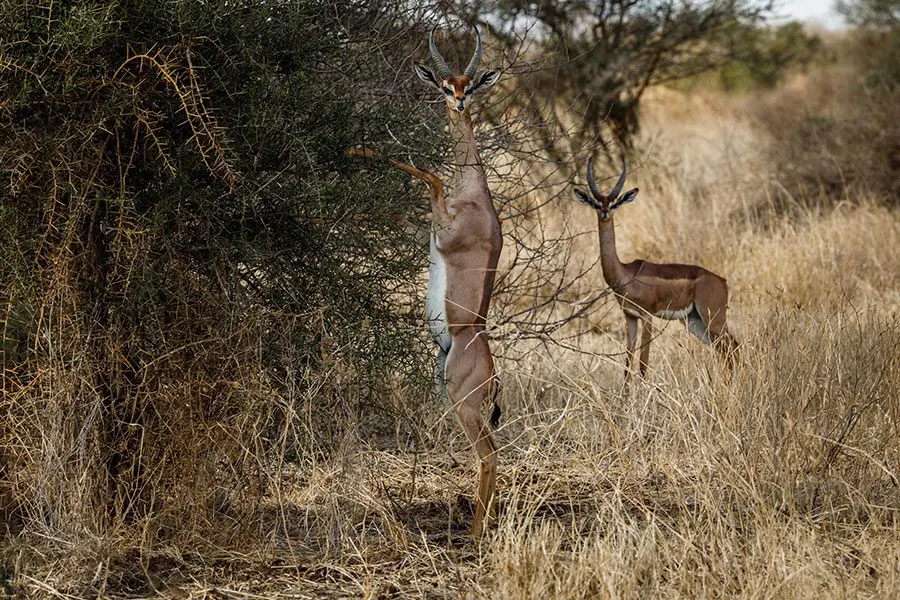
{"x":835,"y":134}
{"x":195,"y":279}
{"x":763,"y":56}
{"x":600,"y":57}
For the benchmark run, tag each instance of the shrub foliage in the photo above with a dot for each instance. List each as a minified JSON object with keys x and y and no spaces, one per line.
{"x":193,"y":275}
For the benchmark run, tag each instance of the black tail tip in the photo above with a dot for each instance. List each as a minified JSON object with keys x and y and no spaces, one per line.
{"x":495,"y":416}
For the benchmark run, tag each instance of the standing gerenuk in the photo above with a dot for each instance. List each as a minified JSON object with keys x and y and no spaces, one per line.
{"x":465,"y":247}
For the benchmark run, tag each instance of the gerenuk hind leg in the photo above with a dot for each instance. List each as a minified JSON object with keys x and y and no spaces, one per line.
{"x":470,"y":372}
{"x":711,"y":303}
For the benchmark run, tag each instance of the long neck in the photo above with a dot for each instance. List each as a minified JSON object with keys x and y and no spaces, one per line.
{"x":465,"y":151}
{"x":613,"y":271}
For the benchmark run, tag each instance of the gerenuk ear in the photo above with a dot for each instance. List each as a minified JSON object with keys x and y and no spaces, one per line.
{"x":627,"y":197}
{"x":427,"y":75}
{"x":484,"y":81}
{"x":583,"y":197}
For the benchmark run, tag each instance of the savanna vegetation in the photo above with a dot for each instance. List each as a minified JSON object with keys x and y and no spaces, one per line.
{"x":215,"y":371}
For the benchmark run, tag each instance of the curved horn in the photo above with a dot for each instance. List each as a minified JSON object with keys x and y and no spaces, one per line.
{"x":621,"y":182}
{"x":590,"y":180}
{"x":443,"y":70}
{"x":476,"y":58}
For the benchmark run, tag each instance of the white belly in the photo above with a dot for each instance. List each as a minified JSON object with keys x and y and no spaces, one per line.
{"x":675,"y":315}
{"x":435,"y":299}
{"x":696,"y":326}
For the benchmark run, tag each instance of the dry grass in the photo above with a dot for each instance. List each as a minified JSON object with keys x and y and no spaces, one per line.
{"x":781,"y":482}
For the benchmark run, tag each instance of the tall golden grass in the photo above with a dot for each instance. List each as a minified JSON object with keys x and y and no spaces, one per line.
{"x":780,"y":481}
